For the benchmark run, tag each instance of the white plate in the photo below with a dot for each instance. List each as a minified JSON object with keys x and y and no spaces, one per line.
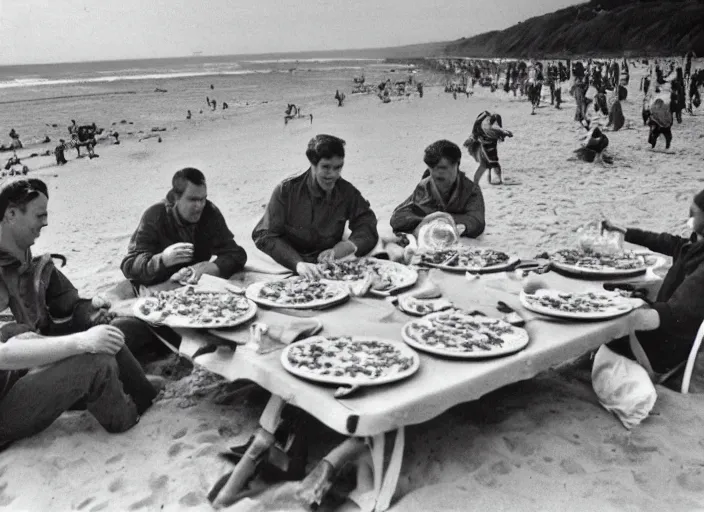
{"x":516,"y":341}
{"x":605,"y":272}
{"x":622,"y":306}
{"x":407,"y":277}
{"x":180,"y":321}
{"x":341,"y":294}
{"x":404,"y":350}
{"x":492,"y":268}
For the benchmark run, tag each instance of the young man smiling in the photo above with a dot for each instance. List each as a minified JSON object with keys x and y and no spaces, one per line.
{"x":305,"y":219}
{"x":58,"y":351}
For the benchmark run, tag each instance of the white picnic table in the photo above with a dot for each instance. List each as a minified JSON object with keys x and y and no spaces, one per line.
{"x":439,"y":384}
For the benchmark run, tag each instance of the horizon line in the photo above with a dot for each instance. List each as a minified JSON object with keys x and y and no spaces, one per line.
{"x":202,"y":55}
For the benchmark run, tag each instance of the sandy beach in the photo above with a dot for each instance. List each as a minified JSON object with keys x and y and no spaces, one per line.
{"x":543,"y":444}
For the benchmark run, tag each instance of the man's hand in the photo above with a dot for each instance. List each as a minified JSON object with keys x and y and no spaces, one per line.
{"x":204,"y":267}
{"x":340,"y":251}
{"x":607,"y":225}
{"x":177,"y":254}
{"x":308,"y":270}
{"x":644,"y":319}
{"x":101,"y":339}
{"x":461,"y":228}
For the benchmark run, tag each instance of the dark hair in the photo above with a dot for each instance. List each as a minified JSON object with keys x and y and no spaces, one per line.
{"x":19,"y":193}
{"x":181,"y":179}
{"x":442,"y":149}
{"x":699,"y":200}
{"x":324,"y":146}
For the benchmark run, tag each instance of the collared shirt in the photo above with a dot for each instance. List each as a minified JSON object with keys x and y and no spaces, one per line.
{"x":466,"y":205}
{"x":161,"y":227}
{"x":301,"y":220}
{"x":37,"y":293}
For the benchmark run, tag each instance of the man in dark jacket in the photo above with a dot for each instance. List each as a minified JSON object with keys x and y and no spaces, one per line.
{"x":443,"y":188}
{"x":305,"y":219}
{"x":667,"y":330}
{"x":183,"y":231}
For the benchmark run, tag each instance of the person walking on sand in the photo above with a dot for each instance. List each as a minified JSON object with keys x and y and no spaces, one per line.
{"x":660,"y":121}
{"x":482,"y":144}
{"x":60,"y":350}
{"x":59,"y":153}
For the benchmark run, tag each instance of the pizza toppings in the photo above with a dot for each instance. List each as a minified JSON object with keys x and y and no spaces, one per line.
{"x":456,"y":332}
{"x":297,"y":290}
{"x":585,"y":302}
{"x":186,"y":305}
{"x":385,"y":275}
{"x":626,"y":260}
{"x":348,"y":359}
{"x":465,"y":258}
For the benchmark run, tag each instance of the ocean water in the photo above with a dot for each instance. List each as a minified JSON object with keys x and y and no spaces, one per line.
{"x":34,"y":98}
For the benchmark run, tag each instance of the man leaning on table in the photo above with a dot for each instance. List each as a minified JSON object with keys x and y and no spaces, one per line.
{"x":666,"y":330}
{"x":442,"y":188}
{"x":181,"y":234}
{"x":58,"y":352}
{"x":305,"y":219}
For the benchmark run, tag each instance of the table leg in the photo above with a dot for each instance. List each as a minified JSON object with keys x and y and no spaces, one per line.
{"x":263,"y":440}
{"x":385,"y":480}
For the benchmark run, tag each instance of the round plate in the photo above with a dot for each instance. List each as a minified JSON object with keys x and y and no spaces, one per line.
{"x":492,"y":268}
{"x":608,"y":273}
{"x":341,"y":294}
{"x":180,"y":321}
{"x":405,"y":277}
{"x":623,"y":307}
{"x":403,"y":350}
{"x":517,"y":341}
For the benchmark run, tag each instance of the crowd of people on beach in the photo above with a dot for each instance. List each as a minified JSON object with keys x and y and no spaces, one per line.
{"x":65,"y":352}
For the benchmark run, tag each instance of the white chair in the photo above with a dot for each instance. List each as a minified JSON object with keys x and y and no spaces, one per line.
{"x":689,"y":366}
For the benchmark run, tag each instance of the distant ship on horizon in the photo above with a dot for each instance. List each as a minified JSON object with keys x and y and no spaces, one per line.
{"x":196,"y":54}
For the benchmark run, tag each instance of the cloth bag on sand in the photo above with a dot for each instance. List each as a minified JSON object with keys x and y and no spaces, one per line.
{"x":622,"y":387}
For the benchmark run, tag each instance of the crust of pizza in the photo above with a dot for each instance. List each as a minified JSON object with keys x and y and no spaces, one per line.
{"x":459,"y":334}
{"x":188,"y":307}
{"x":352,"y":360}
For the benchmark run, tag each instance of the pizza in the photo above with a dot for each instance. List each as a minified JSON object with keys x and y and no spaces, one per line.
{"x":624,"y":261}
{"x":457,"y":333}
{"x":577,"y":304}
{"x":355,"y":360}
{"x":421,"y":307}
{"x":385,"y":275}
{"x":297,"y":292}
{"x":188,"y":307}
{"x":466,"y":258}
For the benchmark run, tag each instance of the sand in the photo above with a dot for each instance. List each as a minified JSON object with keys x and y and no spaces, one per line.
{"x":545,"y":444}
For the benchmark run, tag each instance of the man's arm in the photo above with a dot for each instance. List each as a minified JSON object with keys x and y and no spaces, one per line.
{"x":269,"y":233}
{"x":664,"y":243}
{"x":143,"y":262}
{"x":363,"y":224}
{"x":473,"y":216}
{"x":684,"y":311}
{"x":29,"y":350}
{"x":406,"y":216}
{"x":230,"y":257}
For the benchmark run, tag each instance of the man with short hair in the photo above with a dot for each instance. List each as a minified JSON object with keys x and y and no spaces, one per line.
{"x":443,"y":188}
{"x":182,"y":232}
{"x":305,"y":219}
{"x":58,"y":351}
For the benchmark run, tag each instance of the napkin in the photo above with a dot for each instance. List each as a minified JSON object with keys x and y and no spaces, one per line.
{"x":268,"y":338}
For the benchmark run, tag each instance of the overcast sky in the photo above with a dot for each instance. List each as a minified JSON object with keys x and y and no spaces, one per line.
{"x":37,"y":31}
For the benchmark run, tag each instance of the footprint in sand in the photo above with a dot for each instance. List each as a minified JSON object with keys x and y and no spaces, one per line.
{"x":115,"y":458}
{"x":85,"y":503}
{"x":518,"y":445}
{"x":5,"y":499}
{"x":572,"y":467}
{"x":692,"y":481}
{"x":100,"y":506}
{"x":208,"y":438}
{"x":156,"y":483}
{"x":177,"y":448}
{"x":147,"y":502}
{"x":180,"y":433}
{"x":116,"y":485}
{"x":501,"y":468}
{"x":192,"y":499}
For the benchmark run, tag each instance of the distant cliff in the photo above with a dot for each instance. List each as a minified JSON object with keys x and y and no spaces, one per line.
{"x":603,"y":28}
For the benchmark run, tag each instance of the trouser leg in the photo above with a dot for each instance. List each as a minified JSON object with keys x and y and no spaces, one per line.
{"x":667,"y":132}
{"x":41,"y":396}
